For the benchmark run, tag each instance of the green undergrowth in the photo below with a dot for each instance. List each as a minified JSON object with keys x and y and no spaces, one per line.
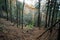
{"x":30,"y":25}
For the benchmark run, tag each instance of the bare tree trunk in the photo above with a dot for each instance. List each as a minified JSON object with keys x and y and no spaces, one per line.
{"x":54,"y":6}
{"x":17,"y":13}
{"x":23,"y":12}
{"x":11,"y":10}
{"x":47,"y":14}
{"x":39,"y":19}
{"x":50,"y":10}
{"x":6,"y":2}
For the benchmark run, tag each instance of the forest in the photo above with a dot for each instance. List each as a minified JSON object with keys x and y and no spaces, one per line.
{"x":29,"y":19}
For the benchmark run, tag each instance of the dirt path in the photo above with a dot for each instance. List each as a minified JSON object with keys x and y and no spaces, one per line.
{"x":13,"y":33}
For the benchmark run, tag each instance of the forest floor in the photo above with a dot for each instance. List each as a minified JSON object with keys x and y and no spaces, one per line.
{"x":11,"y":32}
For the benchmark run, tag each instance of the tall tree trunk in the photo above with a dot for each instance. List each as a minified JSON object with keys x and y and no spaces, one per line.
{"x":54,"y":6}
{"x":17,"y":12}
{"x":50,"y":10}
{"x":39,"y":19}
{"x":23,"y":12}
{"x":6,"y":2}
{"x":11,"y":10}
{"x":47,"y":14}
